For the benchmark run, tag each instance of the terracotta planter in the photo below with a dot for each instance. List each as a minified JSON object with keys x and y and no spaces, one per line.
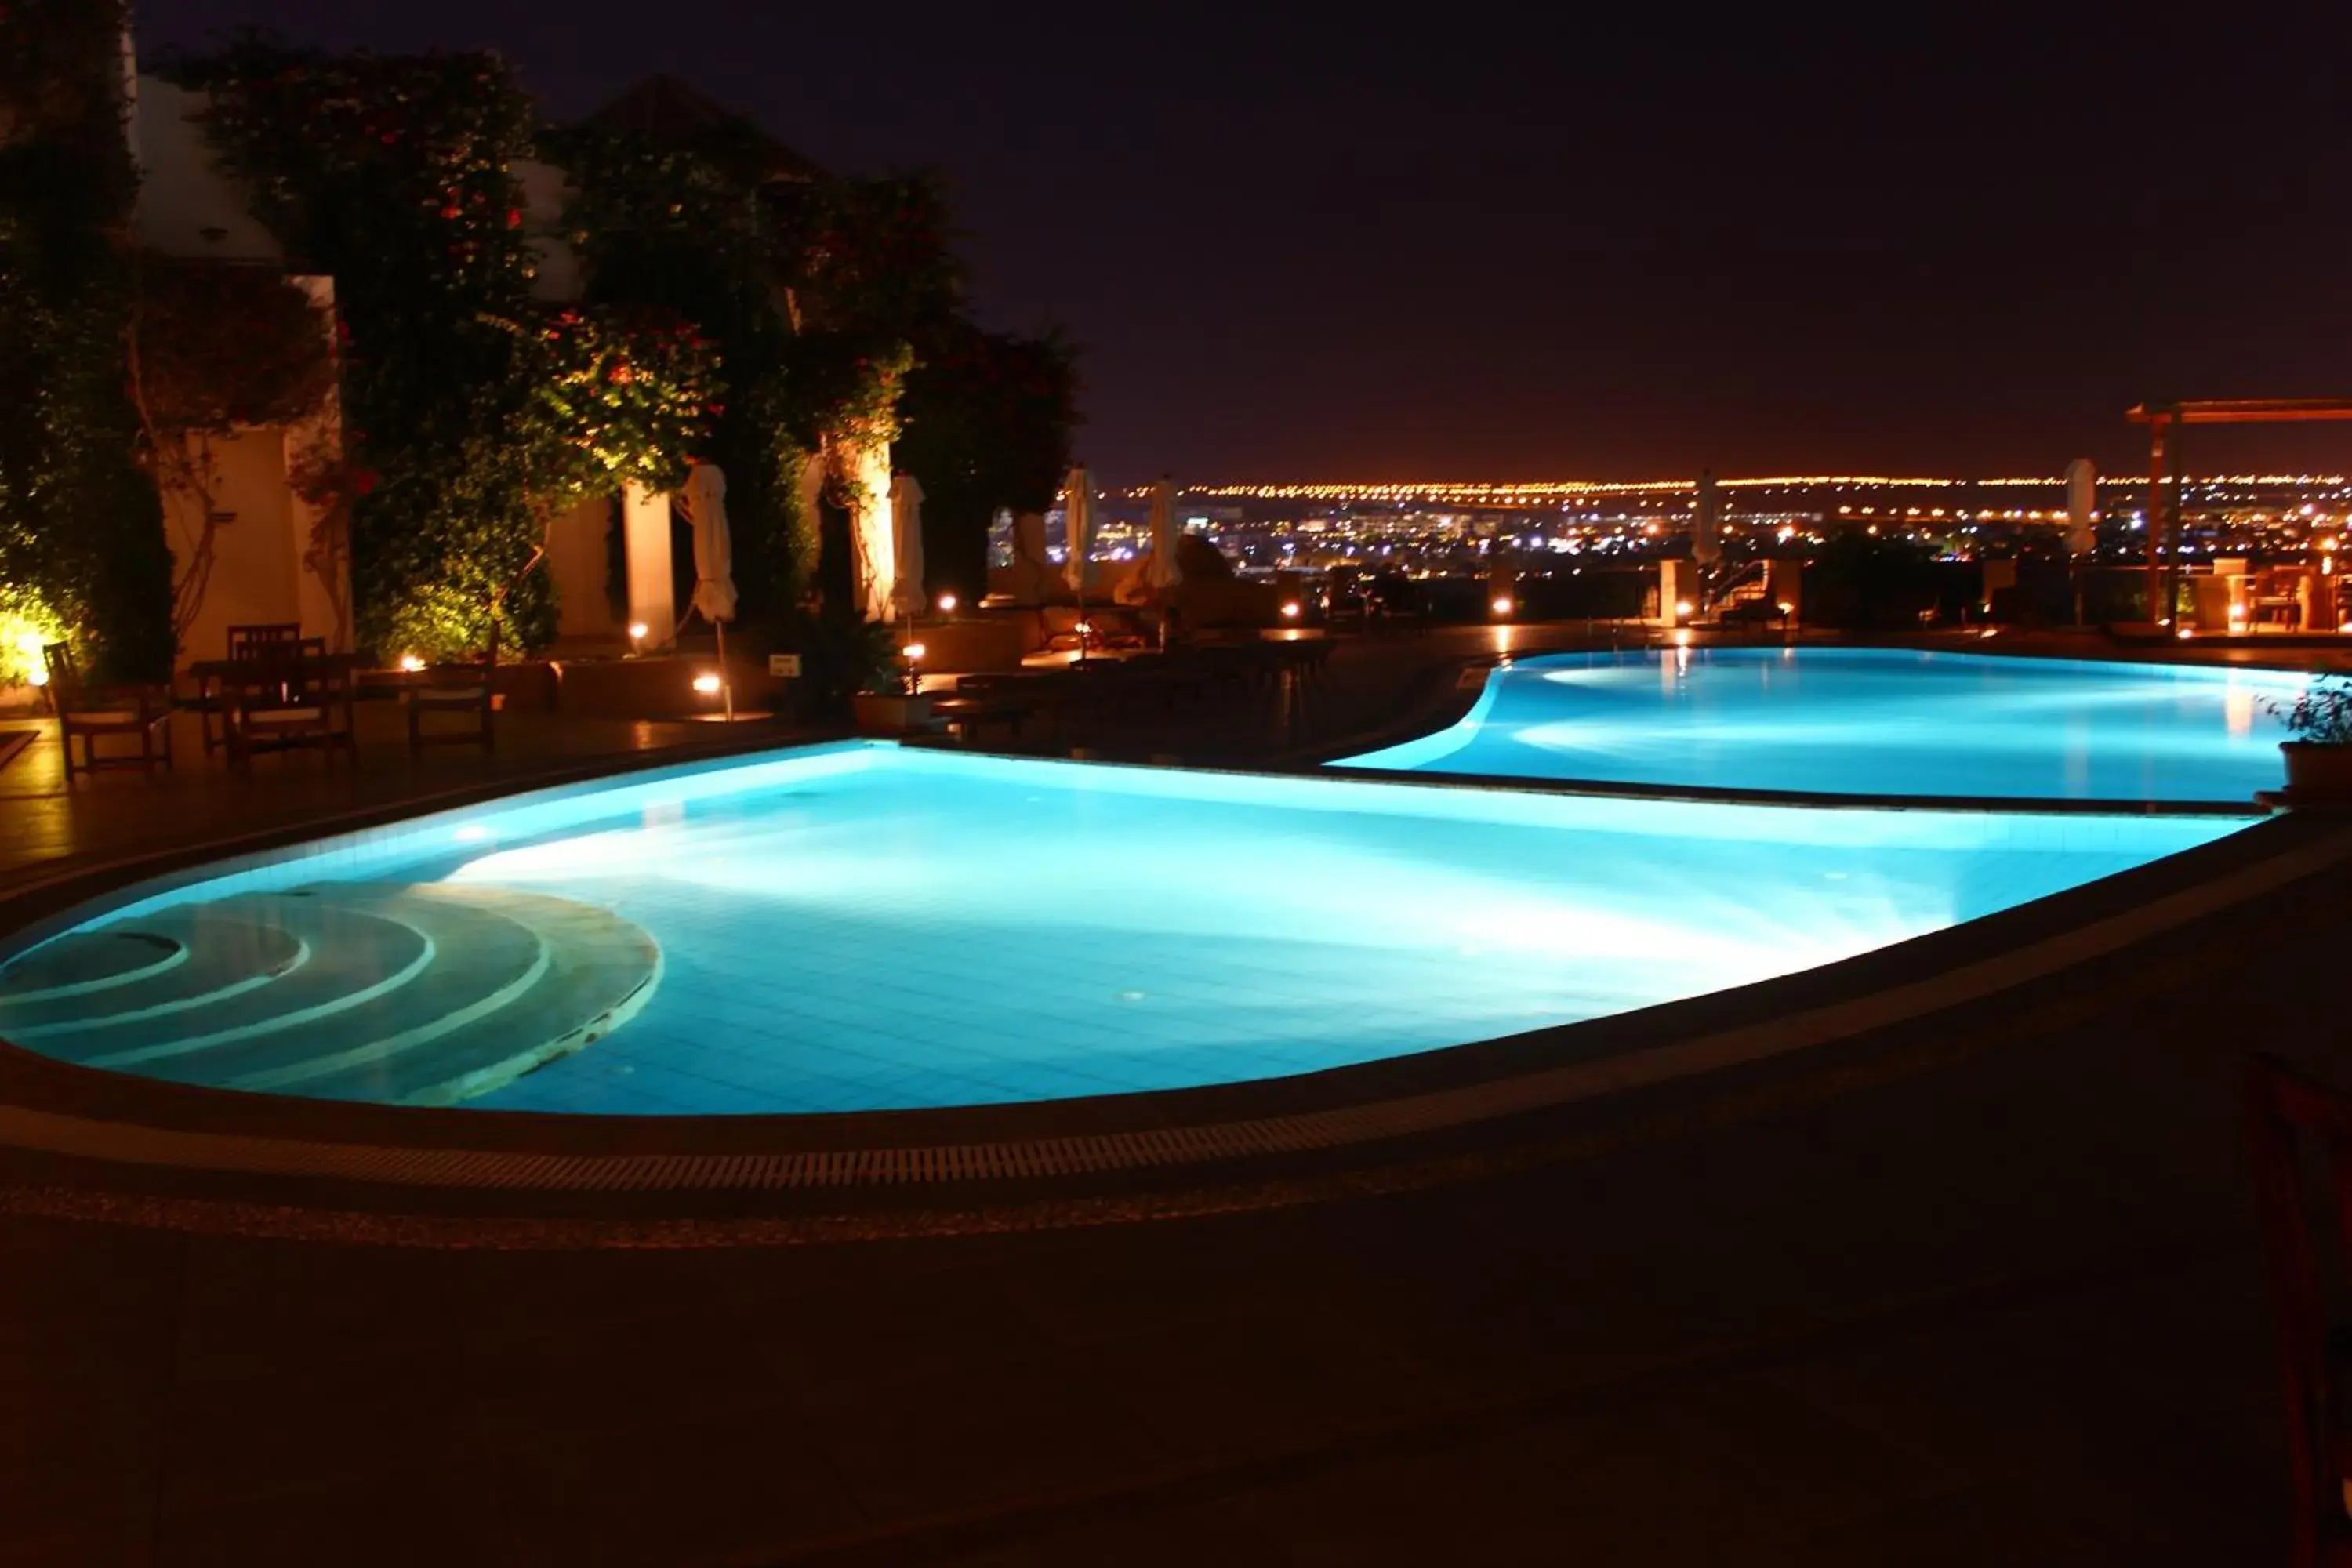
{"x":2318,"y":775}
{"x":886,"y":714}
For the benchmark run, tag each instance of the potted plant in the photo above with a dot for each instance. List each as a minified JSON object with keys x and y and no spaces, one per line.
{"x":2319,"y":756}
{"x":893,"y":703}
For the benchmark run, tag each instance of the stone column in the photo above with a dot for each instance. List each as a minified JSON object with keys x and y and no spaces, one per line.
{"x":871,"y":541}
{"x":644,"y":532}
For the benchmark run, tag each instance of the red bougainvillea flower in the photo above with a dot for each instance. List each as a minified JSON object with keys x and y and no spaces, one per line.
{"x":514,"y":217}
{"x":363,"y":481}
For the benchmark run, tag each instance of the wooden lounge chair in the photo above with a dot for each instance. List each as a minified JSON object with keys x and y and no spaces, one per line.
{"x":142,"y":712}
{"x":2284,"y":1111}
{"x":465,"y":691}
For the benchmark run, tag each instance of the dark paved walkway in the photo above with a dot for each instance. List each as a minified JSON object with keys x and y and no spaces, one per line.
{"x":1984,"y":1289}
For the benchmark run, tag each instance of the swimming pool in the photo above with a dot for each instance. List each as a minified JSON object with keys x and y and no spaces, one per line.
{"x":1880,"y":722}
{"x":861,"y":927}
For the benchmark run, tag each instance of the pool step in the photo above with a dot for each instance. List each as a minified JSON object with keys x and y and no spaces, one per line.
{"x":347,"y":957}
{"x":476,"y":962}
{"x":601,"y":970}
{"x":423,"y":994}
{"x":81,"y":964}
{"x":226,"y":949}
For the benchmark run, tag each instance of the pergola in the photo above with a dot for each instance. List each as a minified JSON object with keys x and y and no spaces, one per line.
{"x":2162,"y":420}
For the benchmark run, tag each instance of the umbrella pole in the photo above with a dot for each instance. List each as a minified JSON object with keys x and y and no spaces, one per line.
{"x":726,"y":681}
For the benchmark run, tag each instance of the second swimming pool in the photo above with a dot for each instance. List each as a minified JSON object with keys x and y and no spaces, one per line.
{"x":1871,"y":721}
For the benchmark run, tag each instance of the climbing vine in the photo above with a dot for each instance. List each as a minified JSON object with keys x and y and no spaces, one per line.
{"x":215,"y":348}
{"x":477,"y":412}
{"x":740,"y":307}
{"x":81,"y":535}
{"x":811,"y":286}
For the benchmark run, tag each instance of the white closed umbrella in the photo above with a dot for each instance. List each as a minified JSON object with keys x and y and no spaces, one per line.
{"x":714,"y":563}
{"x":907,"y":546}
{"x":1160,"y":571}
{"x":1078,"y":516}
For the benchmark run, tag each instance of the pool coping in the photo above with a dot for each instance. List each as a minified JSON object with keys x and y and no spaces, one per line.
{"x":296,"y":1149}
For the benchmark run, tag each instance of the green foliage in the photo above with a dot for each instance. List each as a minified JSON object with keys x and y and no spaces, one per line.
{"x":626,"y":396}
{"x":81,"y":531}
{"x":28,"y":625}
{"x":681,"y":226}
{"x":986,"y":424}
{"x":807,"y":285}
{"x":474,"y":413}
{"x":842,"y":656}
{"x":867,"y":258}
{"x":2321,"y":713}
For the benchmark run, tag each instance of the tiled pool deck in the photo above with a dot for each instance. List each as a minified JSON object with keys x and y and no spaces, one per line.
{"x":1979,"y":1287}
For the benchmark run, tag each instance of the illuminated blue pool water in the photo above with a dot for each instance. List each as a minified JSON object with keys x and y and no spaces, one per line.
{"x":1878,"y":722}
{"x":859,"y":927}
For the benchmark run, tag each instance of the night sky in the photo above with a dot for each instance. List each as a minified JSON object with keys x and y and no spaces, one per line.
{"x":1462,"y":244}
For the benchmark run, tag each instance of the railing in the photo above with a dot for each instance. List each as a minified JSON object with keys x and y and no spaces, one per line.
{"x":1726,"y":584}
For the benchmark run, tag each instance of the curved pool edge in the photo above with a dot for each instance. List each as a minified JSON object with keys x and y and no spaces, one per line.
{"x":1447,"y":723}
{"x":174,"y":1154}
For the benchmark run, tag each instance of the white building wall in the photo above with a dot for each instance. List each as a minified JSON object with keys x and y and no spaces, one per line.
{"x":256,"y":544}
{"x":545,"y":189}
{"x":186,"y":205}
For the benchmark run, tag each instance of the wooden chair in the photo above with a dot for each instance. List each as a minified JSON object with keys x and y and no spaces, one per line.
{"x":2306,"y":1212}
{"x":465,"y":690}
{"x":144,"y":712}
{"x":288,"y":696}
{"x":244,"y":643}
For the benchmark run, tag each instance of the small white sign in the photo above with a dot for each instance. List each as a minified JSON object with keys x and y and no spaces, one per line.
{"x":786,"y":666}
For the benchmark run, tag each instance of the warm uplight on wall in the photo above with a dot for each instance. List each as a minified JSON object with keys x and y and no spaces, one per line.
{"x":36,"y":667}
{"x":946,"y":604}
{"x":913,"y":652}
{"x":1785,"y":607}
{"x":706,"y":684}
{"x":1682,"y":606}
{"x":2185,"y":633}
{"x":1290,"y":609}
{"x":1503,"y":604}
{"x":1682,"y":639}
{"x":411,"y":662}
{"x":2237,"y":612}
{"x":637,"y":630}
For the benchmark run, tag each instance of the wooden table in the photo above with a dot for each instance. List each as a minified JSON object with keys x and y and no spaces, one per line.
{"x":311,"y":691}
